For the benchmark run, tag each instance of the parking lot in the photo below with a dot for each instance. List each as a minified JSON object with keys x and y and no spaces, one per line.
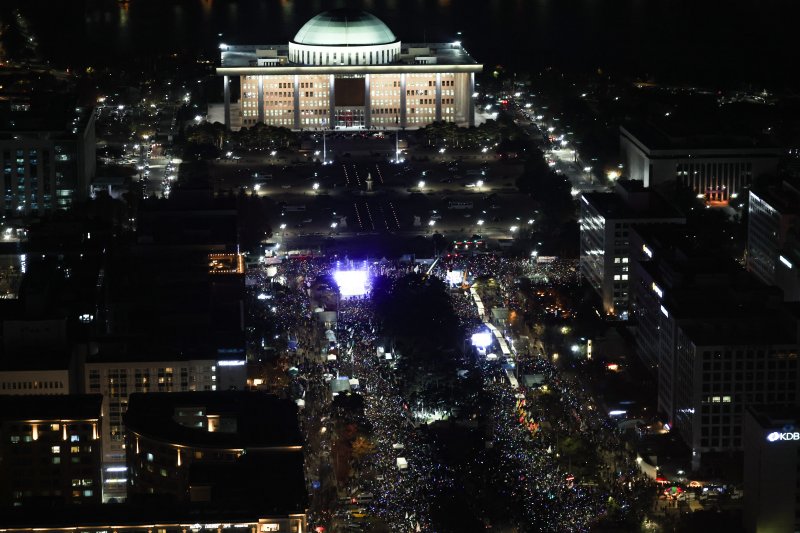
{"x":370,"y":194}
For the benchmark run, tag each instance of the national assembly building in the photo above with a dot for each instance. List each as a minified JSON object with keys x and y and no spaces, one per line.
{"x":345,"y":69}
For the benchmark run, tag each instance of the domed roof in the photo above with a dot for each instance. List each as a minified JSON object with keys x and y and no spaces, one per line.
{"x":344,"y":27}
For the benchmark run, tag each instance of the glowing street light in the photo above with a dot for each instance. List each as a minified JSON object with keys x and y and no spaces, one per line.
{"x":431,"y":223}
{"x":612,"y":174}
{"x":315,"y":186}
{"x":421,"y":185}
{"x":479,"y":184}
{"x":480,"y":222}
{"x":334,"y":225}
{"x":283,"y":226}
{"x":512,"y":229}
{"x":441,"y":150}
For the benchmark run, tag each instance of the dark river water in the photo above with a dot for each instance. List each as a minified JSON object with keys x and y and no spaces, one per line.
{"x":717,"y":42}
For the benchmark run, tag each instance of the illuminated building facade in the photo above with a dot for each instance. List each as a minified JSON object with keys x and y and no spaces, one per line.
{"x":716,"y":167}
{"x":718,"y":339}
{"x":51,"y":449}
{"x":605,"y":222}
{"x":116,"y":379}
{"x":47,"y":160}
{"x":771,"y":470}
{"x":773,"y":238}
{"x":345,"y":69}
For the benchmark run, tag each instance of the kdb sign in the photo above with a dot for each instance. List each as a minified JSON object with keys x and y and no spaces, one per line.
{"x":781,"y":435}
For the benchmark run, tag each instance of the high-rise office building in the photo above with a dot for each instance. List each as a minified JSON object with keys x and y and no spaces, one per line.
{"x":606,"y":219}
{"x":47,"y":158}
{"x":718,"y":339}
{"x":50,"y":448}
{"x":773,"y":237}
{"x":771,"y":470}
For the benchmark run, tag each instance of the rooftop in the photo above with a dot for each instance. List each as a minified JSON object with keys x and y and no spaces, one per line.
{"x":247,"y":420}
{"x":141,"y":514}
{"x":51,"y":407}
{"x":238,"y":56}
{"x":771,"y":417}
{"x":234,"y":484}
{"x":683,"y":135}
{"x":785,"y":197}
{"x":632,"y":202}
{"x":55,"y":117}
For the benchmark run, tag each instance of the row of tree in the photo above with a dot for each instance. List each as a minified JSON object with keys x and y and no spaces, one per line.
{"x":212,"y":138}
{"x":491,"y":132}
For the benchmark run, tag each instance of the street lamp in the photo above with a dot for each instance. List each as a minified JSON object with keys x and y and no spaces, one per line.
{"x":512,"y":229}
{"x":421,"y":185}
{"x":479,"y":184}
{"x":480,"y":222}
{"x":431,"y":223}
{"x":315,"y":187}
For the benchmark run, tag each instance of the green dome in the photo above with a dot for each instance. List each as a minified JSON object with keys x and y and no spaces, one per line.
{"x":344,"y":27}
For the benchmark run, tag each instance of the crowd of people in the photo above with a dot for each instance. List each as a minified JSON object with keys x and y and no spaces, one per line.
{"x":542,"y":493}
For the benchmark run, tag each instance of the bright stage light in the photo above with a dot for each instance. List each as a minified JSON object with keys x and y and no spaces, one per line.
{"x":482,"y":339}
{"x":454,"y":277}
{"x":352,"y":282}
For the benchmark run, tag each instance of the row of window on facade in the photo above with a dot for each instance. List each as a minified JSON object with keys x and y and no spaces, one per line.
{"x":31,"y":385}
{"x":311,"y":57}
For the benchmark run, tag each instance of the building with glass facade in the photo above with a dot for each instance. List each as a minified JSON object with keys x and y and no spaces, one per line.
{"x":606,"y":219}
{"x":773,"y":237}
{"x":345,"y":69}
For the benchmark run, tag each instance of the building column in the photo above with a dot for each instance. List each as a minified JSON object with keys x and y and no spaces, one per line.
{"x":296,"y":102}
{"x":439,"y":96}
{"x":367,"y":104}
{"x":471,"y":101}
{"x":261,"y":99}
{"x":332,"y":99}
{"x":403,"y":100}
{"x":226,"y":89}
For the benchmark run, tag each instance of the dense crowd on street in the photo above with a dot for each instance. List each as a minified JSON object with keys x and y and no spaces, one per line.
{"x":526,"y":467}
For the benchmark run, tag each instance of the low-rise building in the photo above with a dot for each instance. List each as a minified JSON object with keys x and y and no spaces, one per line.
{"x":715,"y":166}
{"x":186,"y":444}
{"x":50,"y":449}
{"x":142,"y":517}
{"x":117,"y":375}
